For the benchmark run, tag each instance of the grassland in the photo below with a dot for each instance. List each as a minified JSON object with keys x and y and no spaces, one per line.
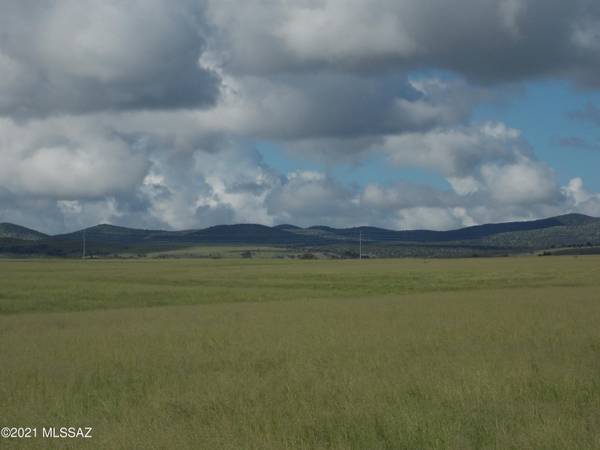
{"x":230,"y":354}
{"x":224,"y":251}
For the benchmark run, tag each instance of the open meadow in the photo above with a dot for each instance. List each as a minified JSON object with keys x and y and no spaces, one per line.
{"x":278,"y":354}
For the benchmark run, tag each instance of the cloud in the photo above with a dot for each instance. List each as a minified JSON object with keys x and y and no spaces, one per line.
{"x":67,"y":159}
{"x":324,"y":107}
{"x":146,"y":113}
{"x":457,"y":152}
{"x":590,"y":113}
{"x":583,"y":200}
{"x":73,"y":56}
{"x":578,"y":143}
{"x":509,"y":40}
{"x":492,"y":170}
{"x":310,"y":198}
{"x":198,"y":189}
{"x":433,"y":218}
{"x":524,"y":182}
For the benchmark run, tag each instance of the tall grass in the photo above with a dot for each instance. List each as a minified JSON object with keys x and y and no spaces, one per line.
{"x":499,"y":361}
{"x":75,"y":285}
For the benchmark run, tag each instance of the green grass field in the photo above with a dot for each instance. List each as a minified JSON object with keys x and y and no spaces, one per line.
{"x":263,"y":354}
{"x":224,"y":251}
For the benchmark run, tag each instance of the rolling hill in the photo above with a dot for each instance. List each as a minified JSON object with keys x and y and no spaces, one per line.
{"x":12,"y":231}
{"x":571,"y":230}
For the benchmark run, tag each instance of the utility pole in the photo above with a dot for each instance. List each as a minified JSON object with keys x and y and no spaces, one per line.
{"x":83,"y":254}
{"x":360,"y":245}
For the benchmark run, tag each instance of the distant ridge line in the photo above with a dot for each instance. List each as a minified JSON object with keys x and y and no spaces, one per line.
{"x":289,"y":232}
{"x":550,"y":235}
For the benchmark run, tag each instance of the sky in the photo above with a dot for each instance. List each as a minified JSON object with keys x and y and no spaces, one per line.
{"x":401,"y":114}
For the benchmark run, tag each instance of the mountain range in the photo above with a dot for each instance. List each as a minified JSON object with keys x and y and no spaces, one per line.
{"x":571,"y":232}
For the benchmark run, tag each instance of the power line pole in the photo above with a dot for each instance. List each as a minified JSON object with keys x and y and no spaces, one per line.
{"x":83,"y":254}
{"x":360,"y":245}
